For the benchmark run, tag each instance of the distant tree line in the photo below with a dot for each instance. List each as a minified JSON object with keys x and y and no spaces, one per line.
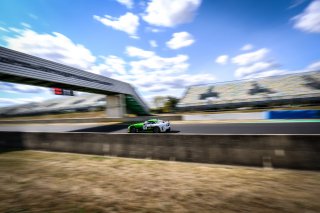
{"x":165,"y":104}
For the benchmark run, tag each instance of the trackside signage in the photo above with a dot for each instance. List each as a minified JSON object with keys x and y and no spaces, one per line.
{"x":59,"y":91}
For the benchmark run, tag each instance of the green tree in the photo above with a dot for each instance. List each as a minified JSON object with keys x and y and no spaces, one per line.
{"x":165,"y":104}
{"x":170,"y":104}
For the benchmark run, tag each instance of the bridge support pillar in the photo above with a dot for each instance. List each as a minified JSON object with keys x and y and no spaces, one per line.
{"x":116,"y":106}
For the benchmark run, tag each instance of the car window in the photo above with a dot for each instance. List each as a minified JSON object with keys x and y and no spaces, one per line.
{"x":150,"y":122}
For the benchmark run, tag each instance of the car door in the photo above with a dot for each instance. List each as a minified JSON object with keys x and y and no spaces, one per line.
{"x":149,"y":125}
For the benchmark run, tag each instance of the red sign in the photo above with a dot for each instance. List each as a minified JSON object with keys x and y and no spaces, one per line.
{"x":59,"y":91}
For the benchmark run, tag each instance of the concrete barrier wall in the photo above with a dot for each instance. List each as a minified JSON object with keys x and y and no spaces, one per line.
{"x":283,"y":151}
{"x":90,"y":120}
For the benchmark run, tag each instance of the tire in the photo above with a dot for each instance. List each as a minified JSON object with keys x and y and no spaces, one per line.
{"x":168,"y":130}
{"x":133,"y":130}
{"x":156,"y":129}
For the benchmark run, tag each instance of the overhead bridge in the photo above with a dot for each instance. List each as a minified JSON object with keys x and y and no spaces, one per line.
{"x":17,"y":67}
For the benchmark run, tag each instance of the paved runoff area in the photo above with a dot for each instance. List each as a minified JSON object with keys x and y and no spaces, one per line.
{"x":34,"y":181}
{"x":192,"y":127}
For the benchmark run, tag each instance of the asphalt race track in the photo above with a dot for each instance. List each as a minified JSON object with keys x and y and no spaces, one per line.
{"x":203,"y":128}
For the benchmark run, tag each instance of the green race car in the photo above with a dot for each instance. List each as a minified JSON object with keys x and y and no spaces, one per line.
{"x":152,"y":125}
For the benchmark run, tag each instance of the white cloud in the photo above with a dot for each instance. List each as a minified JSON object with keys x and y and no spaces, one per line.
{"x":256,"y":64}
{"x":179,"y":40}
{"x":309,"y":20}
{"x":247,"y":47}
{"x":267,"y":67}
{"x":116,"y":63}
{"x":26,"y":25}
{"x":134,"y":37}
{"x":154,"y":30}
{"x":41,"y":93}
{"x":127,"y":3}
{"x":33,"y":16}
{"x":314,"y":66}
{"x":128,"y":23}
{"x":153,"y":43}
{"x":222,"y":59}
{"x":266,"y":73}
{"x":156,"y":63}
{"x":21,"y":88}
{"x":169,"y":13}
{"x":112,"y":64}
{"x":137,"y":52}
{"x":15,"y":30}
{"x":3,"y":29}
{"x":255,"y":68}
{"x":296,"y":3}
{"x":251,"y":57}
{"x":152,"y":73}
{"x":55,"y":47}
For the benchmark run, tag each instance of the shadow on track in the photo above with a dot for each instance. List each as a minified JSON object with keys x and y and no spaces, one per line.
{"x":150,"y":132}
{"x":174,"y":131}
{"x":105,"y":128}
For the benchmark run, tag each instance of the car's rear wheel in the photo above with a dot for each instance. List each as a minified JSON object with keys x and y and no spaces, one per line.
{"x":133,"y":130}
{"x":156,"y":129}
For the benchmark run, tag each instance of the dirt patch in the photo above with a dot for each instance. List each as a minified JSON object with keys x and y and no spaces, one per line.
{"x":33,"y":181}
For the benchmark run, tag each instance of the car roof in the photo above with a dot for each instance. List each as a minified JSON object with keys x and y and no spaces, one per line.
{"x":153,"y":120}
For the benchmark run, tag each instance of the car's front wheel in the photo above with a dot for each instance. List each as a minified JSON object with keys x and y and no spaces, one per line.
{"x":168,"y":130}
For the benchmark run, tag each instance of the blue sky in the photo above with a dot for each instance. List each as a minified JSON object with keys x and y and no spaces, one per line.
{"x":163,"y":46}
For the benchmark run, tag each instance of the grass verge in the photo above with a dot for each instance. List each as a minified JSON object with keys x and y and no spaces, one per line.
{"x":34,"y":181}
